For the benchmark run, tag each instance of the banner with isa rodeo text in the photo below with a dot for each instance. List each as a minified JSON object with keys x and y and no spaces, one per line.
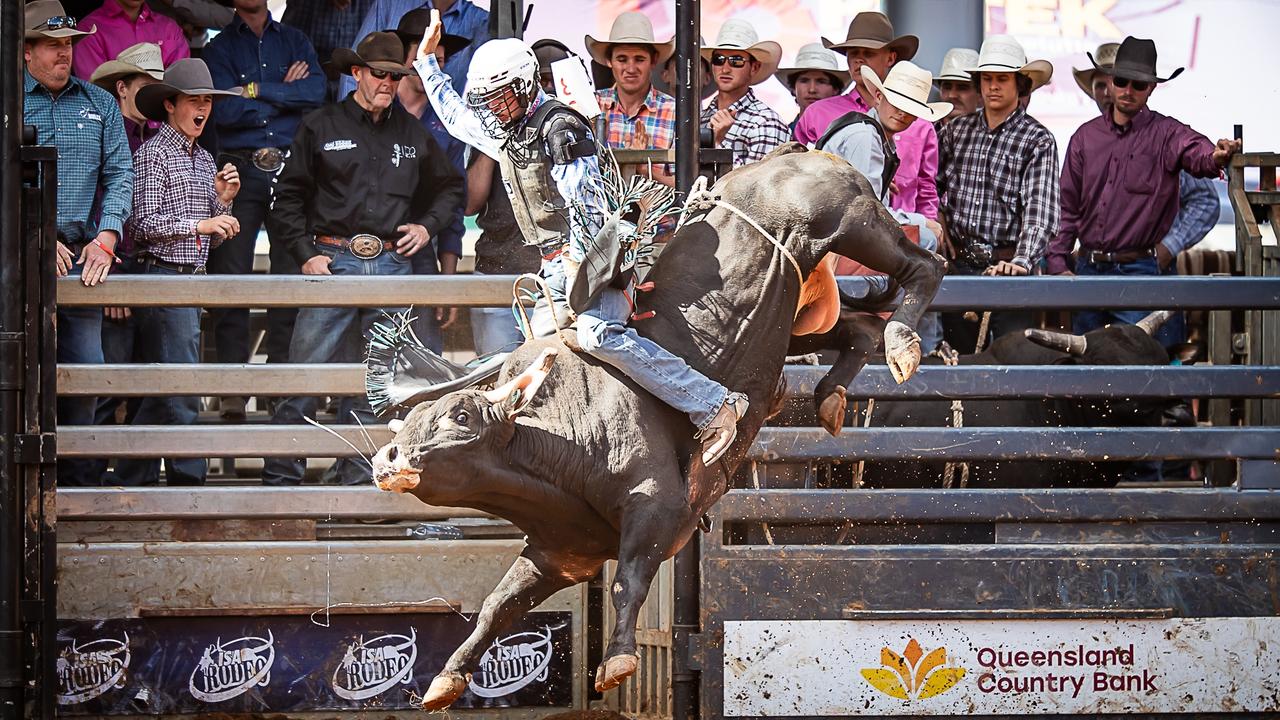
{"x":1001,"y":667}
{"x":289,"y":664}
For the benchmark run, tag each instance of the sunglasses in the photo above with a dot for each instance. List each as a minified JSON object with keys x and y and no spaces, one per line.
{"x":735,"y":61}
{"x":58,"y":22}
{"x":1138,"y":85}
{"x":383,"y":74}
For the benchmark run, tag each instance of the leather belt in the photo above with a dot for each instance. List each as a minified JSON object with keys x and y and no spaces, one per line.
{"x":1094,"y":257}
{"x":183,"y":268}
{"x":363,"y":246}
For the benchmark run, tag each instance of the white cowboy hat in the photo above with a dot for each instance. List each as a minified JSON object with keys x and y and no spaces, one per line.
{"x":1002,"y":53}
{"x":815,"y":57}
{"x":956,"y":64}
{"x":1105,"y":56}
{"x":736,"y":34}
{"x":907,"y":87}
{"x":142,"y":59}
{"x":630,"y":28}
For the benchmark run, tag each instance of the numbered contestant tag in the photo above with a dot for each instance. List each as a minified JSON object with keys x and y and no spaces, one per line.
{"x":573,"y":86}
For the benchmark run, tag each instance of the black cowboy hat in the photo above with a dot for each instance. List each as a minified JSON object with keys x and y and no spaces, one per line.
{"x":1135,"y":60}
{"x":378,"y":50}
{"x":413,"y":26}
{"x":189,"y":76}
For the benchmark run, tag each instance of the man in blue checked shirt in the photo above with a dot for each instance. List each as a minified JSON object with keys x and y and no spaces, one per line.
{"x":281,"y":75}
{"x":83,"y":122}
{"x":460,"y":17}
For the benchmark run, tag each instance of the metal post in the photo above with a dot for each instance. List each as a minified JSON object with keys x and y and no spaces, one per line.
{"x":686,"y":623}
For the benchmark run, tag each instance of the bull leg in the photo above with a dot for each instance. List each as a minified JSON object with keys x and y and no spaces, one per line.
{"x":523,"y":587}
{"x":856,"y":338}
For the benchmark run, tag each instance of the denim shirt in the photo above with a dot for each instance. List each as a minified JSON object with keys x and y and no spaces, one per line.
{"x":237,"y":57}
{"x":464,"y":19}
{"x":85,"y":125}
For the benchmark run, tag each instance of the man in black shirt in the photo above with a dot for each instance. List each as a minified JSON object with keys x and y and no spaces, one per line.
{"x":364,"y":188}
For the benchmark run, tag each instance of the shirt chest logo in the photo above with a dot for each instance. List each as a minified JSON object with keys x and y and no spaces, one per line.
{"x":402,"y":152}
{"x":88,"y":114}
{"x":339,"y":145}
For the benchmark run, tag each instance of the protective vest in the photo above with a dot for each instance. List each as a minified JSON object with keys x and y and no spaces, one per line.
{"x":891,"y":161}
{"x":554,"y":135}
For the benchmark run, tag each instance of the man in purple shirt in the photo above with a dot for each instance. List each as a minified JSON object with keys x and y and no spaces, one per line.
{"x":122,"y":23}
{"x":1120,"y":179}
{"x":871,"y":42}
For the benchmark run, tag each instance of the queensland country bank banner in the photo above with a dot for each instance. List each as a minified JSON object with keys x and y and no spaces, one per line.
{"x":291,"y":664}
{"x":1018,"y":667}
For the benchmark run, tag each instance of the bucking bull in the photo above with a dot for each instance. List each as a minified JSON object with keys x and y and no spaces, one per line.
{"x":591,"y":467}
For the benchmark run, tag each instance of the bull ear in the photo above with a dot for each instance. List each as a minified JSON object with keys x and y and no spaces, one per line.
{"x":515,"y":394}
{"x":395,"y":426}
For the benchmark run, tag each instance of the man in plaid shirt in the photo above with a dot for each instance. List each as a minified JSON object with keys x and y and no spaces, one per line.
{"x":999,"y":182}
{"x":181,"y":208}
{"x":739,"y":121}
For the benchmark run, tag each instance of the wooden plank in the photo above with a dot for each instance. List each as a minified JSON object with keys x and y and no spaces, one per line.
{"x":247,"y":503}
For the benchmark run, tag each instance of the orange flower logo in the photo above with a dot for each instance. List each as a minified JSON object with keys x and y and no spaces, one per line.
{"x":913,"y":675}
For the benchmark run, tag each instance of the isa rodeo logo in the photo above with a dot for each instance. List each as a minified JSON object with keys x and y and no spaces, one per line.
{"x":512,"y":663}
{"x":372,"y":667}
{"x":913,"y":675}
{"x":229,"y":669}
{"x":87,"y":671}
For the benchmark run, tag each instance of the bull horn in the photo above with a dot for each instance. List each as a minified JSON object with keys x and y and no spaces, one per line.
{"x":519,"y":390}
{"x":1151,"y":323}
{"x":1066,"y":342}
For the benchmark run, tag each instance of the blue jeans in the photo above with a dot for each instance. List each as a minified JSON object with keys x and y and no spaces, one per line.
{"x":321,"y":335}
{"x":235,"y":257}
{"x":79,"y":331}
{"x":166,"y":335}
{"x":494,"y":330}
{"x":1171,"y":333}
{"x":119,"y":346}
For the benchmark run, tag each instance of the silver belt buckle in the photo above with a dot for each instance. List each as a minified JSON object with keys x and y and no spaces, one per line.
{"x":365,"y":246}
{"x":268,"y":159}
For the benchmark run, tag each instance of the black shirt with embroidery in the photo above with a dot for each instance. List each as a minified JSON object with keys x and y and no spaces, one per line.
{"x":346,"y":175}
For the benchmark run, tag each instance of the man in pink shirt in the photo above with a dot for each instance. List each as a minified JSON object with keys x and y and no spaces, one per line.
{"x":871,"y":42}
{"x":122,"y":24}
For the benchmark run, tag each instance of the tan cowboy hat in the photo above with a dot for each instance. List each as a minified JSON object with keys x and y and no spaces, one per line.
{"x":47,"y":19}
{"x":956,"y":64}
{"x":907,"y":87}
{"x":189,"y":76}
{"x":815,"y":57}
{"x":737,"y":34}
{"x":873,"y":30}
{"x":142,"y":59}
{"x":1002,"y":53}
{"x":629,"y":28}
{"x":378,"y":50}
{"x":1105,"y":56}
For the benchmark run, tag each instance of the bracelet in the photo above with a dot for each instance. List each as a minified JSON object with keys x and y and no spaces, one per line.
{"x":106,"y":249}
{"x":251,"y":90}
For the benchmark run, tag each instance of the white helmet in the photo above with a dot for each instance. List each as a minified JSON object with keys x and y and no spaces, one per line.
{"x":502,"y":81}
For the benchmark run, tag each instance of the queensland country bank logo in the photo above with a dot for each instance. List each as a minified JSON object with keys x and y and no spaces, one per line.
{"x":913,"y":675}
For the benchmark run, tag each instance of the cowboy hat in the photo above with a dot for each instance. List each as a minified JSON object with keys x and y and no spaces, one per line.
{"x":736,"y":34}
{"x":956,"y":64}
{"x":47,"y":19}
{"x":874,"y":30}
{"x":1106,"y":54}
{"x":141,"y":59}
{"x":378,"y":50}
{"x":815,"y":57}
{"x":189,"y":76}
{"x":907,"y":87}
{"x":629,"y":28}
{"x":413,"y":26}
{"x":1004,"y":54}
{"x":1135,"y":60}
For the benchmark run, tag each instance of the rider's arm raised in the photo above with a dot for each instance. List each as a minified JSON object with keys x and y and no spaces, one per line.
{"x":450,"y":108}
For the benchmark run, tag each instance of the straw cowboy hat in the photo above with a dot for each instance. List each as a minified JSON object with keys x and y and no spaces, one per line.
{"x":47,"y":19}
{"x":956,"y":64}
{"x":1106,"y":57}
{"x":413,"y":26}
{"x":378,"y":50}
{"x":737,"y":34}
{"x":189,"y":76}
{"x":142,"y":59}
{"x":1002,"y":54}
{"x":815,"y":57}
{"x":629,"y":28}
{"x":907,"y":87}
{"x":874,"y":30}
{"x":1135,"y":60}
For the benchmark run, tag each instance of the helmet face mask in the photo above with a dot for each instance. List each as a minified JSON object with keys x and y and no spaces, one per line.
{"x":502,"y":108}
{"x":502,"y":81}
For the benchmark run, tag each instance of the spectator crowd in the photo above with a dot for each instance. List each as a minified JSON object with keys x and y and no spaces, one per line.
{"x":176,"y":151}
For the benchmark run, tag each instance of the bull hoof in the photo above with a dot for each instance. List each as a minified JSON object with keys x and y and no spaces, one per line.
{"x":444,"y":690}
{"x":901,"y":350}
{"x":831,"y":411}
{"x":616,"y":669}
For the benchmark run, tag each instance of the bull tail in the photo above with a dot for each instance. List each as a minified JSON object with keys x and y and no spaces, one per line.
{"x":881,"y":292}
{"x":401,"y":371}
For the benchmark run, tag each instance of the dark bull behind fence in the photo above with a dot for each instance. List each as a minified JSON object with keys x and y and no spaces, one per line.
{"x":592,"y":468}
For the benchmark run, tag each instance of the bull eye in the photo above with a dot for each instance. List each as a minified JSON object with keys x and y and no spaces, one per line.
{"x":461,"y":418}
